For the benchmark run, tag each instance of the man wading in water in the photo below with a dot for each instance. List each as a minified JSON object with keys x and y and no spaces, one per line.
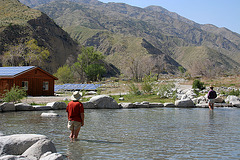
{"x":75,"y":112}
{"x":211,"y":98}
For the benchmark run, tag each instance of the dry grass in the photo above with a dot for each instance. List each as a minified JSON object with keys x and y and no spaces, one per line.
{"x":223,"y":81}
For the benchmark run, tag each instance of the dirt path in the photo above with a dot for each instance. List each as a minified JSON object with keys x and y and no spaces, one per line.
{"x":49,"y":99}
{"x":44,"y":100}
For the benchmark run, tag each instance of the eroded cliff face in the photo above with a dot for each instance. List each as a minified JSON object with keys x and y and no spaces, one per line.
{"x":62,"y":48}
{"x":49,"y":35}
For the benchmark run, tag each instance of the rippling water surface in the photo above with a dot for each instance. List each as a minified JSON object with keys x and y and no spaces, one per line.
{"x":162,"y":133}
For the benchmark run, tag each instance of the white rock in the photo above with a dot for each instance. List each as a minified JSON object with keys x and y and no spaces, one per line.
{"x":57,"y":105}
{"x":18,"y":143}
{"x":23,"y":107}
{"x":39,"y":148}
{"x":121,"y":99}
{"x":127,"y":105}
{"x":219,"y":100}
{"x":232,"y":98}
{"x":145,"y":102}
{"x":235,"y":104}
{"x":203,"y":105}
{"x":52,"y":156}
{"x":187,"y":103}
{"x":40,"y":108}
{"x":169,"y":105}
{"x":13,"y":157}
{"x":50,"y":114}
{"x":7,"y":106}
{"x":104,"y":102}
{"x":91,"y":92}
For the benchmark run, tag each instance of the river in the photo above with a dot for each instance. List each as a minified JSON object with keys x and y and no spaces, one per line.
{"x":159,"y":133}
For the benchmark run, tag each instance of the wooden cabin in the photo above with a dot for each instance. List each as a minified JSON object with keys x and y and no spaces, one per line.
{"x":35,"y":80}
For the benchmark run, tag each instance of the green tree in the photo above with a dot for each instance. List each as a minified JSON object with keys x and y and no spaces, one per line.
{"x":90,"y":64}
{"x":181,"y":69}
{"x":28,"y":53}
{"x":64,"y":75}
{"x":148,"y":83}
{"x":94,"y":72}
{"x":15,"y":94}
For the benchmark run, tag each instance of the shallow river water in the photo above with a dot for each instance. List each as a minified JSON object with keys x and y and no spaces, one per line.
{"x":161,"y":133}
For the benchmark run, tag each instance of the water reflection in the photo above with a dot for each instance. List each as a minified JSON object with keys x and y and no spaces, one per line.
{"x":162,"y":133}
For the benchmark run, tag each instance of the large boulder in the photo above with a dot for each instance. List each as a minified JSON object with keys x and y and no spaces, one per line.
{"x":57,"y":105}
{"x":219,"y":100}
{"x":191,"y":94}
{"x":234,"y":100}
{"x":17,"y":144}
{"x":104,"y":102}
{"x":186,"y":103}
{"x":28,"y":147}
{"x":23,"y":107}
{"x":39,"y":148}
{"x":7,"y":106}
{"x":200,"y":100}
{"x":88,"y":105}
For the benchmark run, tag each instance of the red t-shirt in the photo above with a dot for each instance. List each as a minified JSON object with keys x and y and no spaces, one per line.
{"x":74,"y":109}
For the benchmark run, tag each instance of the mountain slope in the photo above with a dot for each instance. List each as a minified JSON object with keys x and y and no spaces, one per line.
{"x":164,"y":30}
{"x":32,"y":24}
{"x":205,"y":61}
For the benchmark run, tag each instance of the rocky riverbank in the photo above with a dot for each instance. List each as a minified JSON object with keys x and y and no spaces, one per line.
{"x":107,"y":102}
{"x":28,"y":147}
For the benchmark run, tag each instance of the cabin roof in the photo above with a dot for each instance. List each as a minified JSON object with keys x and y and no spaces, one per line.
{"x":11,"y":72}
{"x":14,"y":71}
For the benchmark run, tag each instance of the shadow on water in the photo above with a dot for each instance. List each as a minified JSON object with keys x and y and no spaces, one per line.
{"x":99,"y":141}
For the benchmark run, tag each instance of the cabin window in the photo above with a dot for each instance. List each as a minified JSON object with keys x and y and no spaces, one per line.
{"x":45,"y":85}
{"x":25,"y":85}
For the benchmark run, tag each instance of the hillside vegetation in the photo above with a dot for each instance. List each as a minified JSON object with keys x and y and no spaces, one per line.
{"x":21,"y":24}
{"x":97,"y":24}
{"x":13,"y":12}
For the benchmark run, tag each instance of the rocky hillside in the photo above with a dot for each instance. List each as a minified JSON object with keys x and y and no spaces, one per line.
{"x":114,"y":27}
{"x":19,"y":23}
{"x":167,"y":32}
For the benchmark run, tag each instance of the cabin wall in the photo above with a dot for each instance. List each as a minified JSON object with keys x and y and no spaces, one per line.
{"x":35,"y":80}
{"x":5,"y":84}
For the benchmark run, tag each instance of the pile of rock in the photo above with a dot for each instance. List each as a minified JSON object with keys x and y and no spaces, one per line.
{"x":185,"y":100}
{"x":188,"y":98}
{"x":28,"y":147}
{"x":5,"y":107}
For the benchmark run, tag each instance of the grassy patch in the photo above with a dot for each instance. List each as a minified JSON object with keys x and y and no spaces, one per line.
{"x":140,"y":98}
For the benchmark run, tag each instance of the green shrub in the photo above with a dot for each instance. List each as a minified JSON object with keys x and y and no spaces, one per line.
{"x":234,"y":92}
{"x":15,"y":94}
{"x":148,"y":83}
{"x":198,"y":84}
{"x":165,"y":90}
{"x":134,"y":89}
